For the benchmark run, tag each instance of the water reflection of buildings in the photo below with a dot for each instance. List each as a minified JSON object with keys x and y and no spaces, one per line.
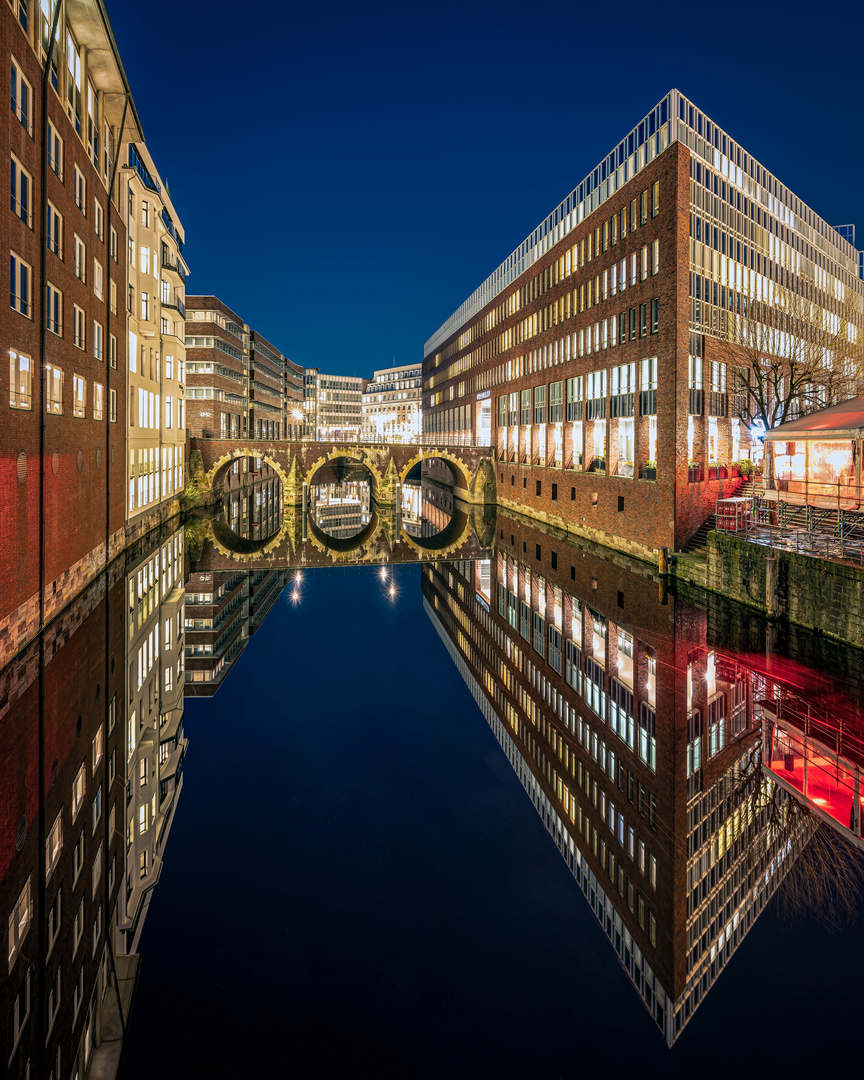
{"x":91,"y":746}
{"x":342,"y":509}
{"x":253,"y":510}
{"x":636,"y":743}
{"x":155,"y":744}
{"x":223,"y":610}
{"x":426,"y":510}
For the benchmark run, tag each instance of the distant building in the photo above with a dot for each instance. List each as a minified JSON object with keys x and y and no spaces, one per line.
{"x":391,"y":405}
{"x":241,"y":384}
{"x":217,"y":367}
{"x":333,"y":406}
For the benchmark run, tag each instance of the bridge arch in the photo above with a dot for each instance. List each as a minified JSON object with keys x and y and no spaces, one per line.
{"x":460,"y":471}
{"x":350,"y":454}
{"x":342,"y":547}
{"x":442,"y":544}
{"x":229,"y":457}
{"x":240,"y":549}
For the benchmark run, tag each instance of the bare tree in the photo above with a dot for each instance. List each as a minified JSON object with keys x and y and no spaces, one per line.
{"x":790,"y":352}
{"x":824,"y":872}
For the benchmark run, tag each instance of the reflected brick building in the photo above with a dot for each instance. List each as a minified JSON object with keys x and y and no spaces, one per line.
{"x":636,"y":741}
{"x":62,"y":858}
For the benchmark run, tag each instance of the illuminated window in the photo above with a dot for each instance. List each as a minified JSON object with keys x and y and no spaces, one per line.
{"x":20,"y":285}
{"x":20,"y":380}
{"x":79,"y":394}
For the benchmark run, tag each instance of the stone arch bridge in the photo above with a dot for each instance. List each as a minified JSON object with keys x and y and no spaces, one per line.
{"x":297,"y":463}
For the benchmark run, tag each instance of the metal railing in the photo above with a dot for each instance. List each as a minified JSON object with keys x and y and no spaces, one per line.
{"x":826,"y":527}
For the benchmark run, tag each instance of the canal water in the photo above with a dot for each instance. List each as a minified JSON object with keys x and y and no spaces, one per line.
{"x":421,"y":794}
{"x":358,"y":884}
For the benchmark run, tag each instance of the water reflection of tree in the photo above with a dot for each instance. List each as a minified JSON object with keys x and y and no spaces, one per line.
{"x":824,"y":873}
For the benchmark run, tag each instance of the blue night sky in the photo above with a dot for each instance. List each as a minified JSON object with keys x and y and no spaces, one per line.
{"x":347,"y":174}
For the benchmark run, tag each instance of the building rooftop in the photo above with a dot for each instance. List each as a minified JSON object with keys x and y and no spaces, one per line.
{"x":674,"y":119}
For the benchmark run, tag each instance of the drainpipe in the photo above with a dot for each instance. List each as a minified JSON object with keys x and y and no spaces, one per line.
{"x":39,"y":1018}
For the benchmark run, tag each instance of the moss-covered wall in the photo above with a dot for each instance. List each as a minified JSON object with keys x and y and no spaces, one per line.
{"x":816,"y":593}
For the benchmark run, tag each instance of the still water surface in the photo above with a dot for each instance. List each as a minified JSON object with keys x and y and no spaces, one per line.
{"x":358,"y":885}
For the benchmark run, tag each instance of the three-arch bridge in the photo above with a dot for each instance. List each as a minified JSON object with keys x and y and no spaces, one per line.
{"x":297,"y":463}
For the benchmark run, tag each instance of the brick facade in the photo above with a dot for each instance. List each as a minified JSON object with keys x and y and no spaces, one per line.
{"x":81,"y":504}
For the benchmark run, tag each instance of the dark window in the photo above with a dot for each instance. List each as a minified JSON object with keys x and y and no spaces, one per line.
{"x":524,"y":547}
{"x":512,"y":541}
{"x":572,"y":573}
{"x":554,"y":493}
{"x":572,"y":494}
{"x":512,"y":481}
{"x":539,"y":552}
{"x":554,"y":560}
{"x":502,"y":477}
{"x":620,"y":598}
{"x":643,"y":320}
{"x":655,"y":315}
{"x":502,"y":534}
{"x":539,"y":487}
{"x":620,"y":503}
{"x":524,"y":481}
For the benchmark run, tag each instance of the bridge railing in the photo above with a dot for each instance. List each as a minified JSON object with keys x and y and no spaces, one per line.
{"x":441,"y":439}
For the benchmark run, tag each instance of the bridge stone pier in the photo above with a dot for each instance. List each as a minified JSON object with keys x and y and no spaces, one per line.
{"x":297,"y":463}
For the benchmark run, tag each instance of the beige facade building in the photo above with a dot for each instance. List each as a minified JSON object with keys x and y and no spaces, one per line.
{"x":391,"y":405}
{"x":155,"y":302}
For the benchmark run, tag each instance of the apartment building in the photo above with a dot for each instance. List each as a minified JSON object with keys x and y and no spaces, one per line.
{"x":217,"y":370}
{"x":592,"y":349}
{"x":391,"y":410}
{"x":332,"y":406}
{"x":156,"y":436}
{"x":637,"y":740}
{"x":62,"y":496}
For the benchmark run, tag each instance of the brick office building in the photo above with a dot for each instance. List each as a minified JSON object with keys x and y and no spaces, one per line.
{"x":62,"y":504}
{"x":634,"y":737}
{"x":240,"y":385}
{"x":589,"y":349}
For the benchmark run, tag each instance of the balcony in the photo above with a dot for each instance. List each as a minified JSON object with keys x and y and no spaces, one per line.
{"x":598,"y":464}
{"x":175,"y":302}
{"x":143,"y":173}
{"x":173,"y":266}
{"x":169,"y":225}
{"x":695,"y":473}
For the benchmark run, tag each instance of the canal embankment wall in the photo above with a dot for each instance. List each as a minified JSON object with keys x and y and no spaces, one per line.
{"x":819,"y":594}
